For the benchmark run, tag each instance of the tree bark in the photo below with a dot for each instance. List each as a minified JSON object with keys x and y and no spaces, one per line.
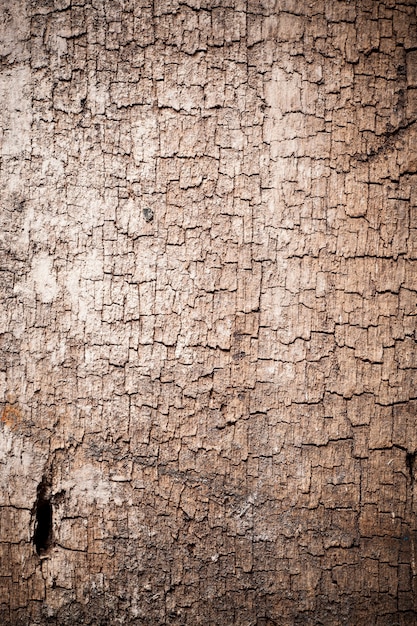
{"x":209,"y":243}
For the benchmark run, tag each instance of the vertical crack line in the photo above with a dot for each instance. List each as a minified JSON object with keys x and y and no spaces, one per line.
{"x":42,"y":537}
{"x":410,"y":461}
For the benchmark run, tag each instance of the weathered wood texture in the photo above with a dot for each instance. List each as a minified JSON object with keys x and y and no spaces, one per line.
{"x":209,"y":234}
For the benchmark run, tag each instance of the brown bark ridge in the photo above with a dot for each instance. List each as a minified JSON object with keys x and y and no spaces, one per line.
{"x":209,"y":243}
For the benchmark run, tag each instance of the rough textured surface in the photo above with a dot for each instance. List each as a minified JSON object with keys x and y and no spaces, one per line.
{"x":209,"y":235}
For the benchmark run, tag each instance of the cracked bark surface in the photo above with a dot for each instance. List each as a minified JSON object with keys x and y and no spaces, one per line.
{"x":209,"y":243}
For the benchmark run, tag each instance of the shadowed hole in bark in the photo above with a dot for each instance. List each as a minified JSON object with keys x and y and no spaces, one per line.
{"x":148,"y":214}
{"x":410,"y":461}
{"x":43,"y":524}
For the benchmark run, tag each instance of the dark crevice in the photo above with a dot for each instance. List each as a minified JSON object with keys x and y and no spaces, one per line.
{"x":410,"y":461}
{"x":42,"y":537}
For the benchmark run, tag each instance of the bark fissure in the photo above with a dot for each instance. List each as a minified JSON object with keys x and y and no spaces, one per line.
{"x":42,"y":537}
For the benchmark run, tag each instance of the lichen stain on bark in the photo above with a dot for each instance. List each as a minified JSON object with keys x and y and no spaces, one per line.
{"x":11,"y":416}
